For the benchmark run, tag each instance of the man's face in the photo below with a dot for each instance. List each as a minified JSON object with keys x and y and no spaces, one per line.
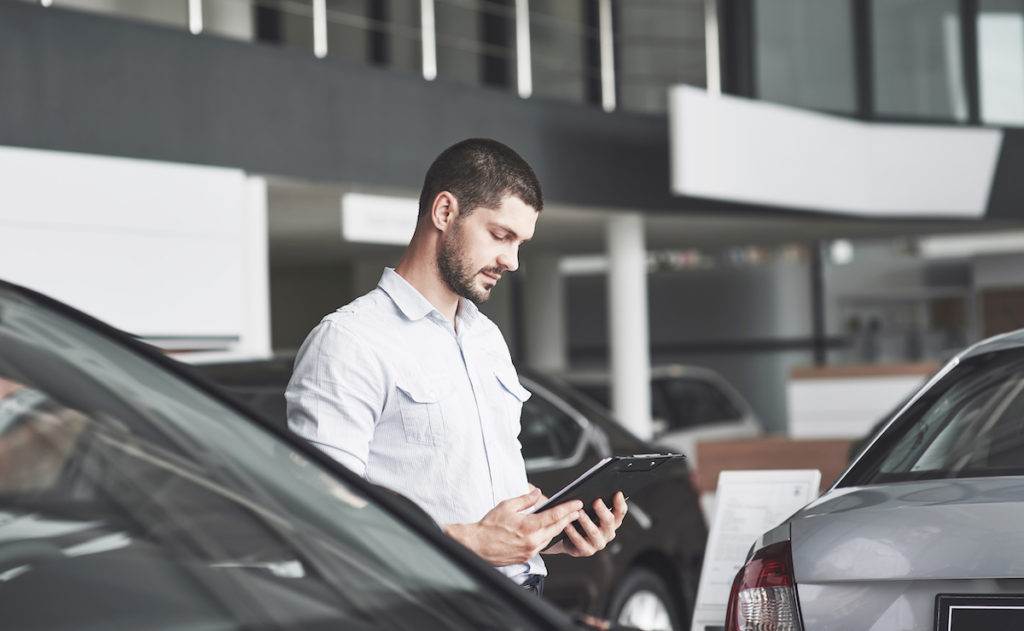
{"x":479,"y":248}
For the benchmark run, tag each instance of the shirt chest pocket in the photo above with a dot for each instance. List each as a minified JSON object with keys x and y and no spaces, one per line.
{"x":511,"y":396}
{"x":420,"y":403}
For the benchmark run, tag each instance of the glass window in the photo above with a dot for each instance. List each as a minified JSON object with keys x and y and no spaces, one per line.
{"x":600,"y":393}
{"x":971,"y":424}
{"x":657,"y":44}
{"x":918,"y":64}
{"x":148,"y":503}
{"x":354,"y":31}
{"x":383,"y":32}
{"x":165,"y":12}
{"x":285,"y":22}
{"x":398,"y":25}
{"x":661,"y":408}
{"x":229,"y":18}
{"x":805,"y":54}
{"x":476,"y":41}
{"x":547,"y":431}
{"x":564,"y":49}
{"x":695,"y":402}
{"x":1001,"y":61}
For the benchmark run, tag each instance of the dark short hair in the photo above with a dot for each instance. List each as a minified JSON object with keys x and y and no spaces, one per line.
{"x":480,"y":173}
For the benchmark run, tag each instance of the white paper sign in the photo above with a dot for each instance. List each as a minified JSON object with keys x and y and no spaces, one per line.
{"x":384,"y":219}
{"x":748,"y":504}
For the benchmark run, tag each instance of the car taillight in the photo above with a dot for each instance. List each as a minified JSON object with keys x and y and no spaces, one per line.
{"x":763,"y":596}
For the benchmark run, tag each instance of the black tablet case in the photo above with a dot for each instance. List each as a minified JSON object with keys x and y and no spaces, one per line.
{"x":628,"y":474}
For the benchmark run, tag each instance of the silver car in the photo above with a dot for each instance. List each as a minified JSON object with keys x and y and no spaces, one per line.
{"x":924,"y":531}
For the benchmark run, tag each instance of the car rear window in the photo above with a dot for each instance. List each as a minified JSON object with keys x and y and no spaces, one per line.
{"x":968,"y":424}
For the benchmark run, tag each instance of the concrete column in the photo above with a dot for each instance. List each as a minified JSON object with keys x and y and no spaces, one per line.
{"x":628,"y":323}
{"x":544,"y":304}
{"x":255,"y":338}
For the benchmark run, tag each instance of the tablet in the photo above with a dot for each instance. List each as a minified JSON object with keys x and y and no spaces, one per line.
{"x":628,"y":474}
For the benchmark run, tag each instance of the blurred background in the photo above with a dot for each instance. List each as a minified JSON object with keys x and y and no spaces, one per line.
{"x":803,"y":196}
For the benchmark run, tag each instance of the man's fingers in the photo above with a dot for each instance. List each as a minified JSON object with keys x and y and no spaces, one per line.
{"x":547,"y":529}
{"x":620,"y":504}
{"x":542,"y":498}
{"x":609,"y":523}
{"x":581,"y":544}
{"x":595,"y":534}
{"x":559,"y":514}
{"x":522,"y":502}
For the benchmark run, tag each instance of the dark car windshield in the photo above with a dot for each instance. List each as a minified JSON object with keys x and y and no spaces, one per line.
{"x":969,"y":424}
{"x":131,"y":499}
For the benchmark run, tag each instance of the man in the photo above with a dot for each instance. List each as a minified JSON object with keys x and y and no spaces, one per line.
{"x":413,"y":388}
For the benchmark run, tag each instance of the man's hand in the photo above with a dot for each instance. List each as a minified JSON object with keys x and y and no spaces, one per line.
{"x":506,"y":537}
{"x":597,"y":536}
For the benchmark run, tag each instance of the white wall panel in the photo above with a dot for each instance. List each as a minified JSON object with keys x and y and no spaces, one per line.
{"x":157,"y":249}
{"x":845,"y":407}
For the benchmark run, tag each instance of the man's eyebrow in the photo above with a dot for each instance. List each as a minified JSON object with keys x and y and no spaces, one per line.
{"x":512,"y":233}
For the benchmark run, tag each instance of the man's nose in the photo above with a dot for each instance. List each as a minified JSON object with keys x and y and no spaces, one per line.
{"x":509,"y":259}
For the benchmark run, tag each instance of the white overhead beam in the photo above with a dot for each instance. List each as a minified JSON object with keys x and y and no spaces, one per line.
{"x":736,"y":149}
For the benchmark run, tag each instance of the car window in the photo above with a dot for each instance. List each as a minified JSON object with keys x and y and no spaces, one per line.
{"x":141,"y":501}
{"x":970,"y":424}
{"x":547,"y":432}
{"x":661,"y":409}
{"x":600,"y":393}
{"x":266,"y":399}
{"x":692,"y":402}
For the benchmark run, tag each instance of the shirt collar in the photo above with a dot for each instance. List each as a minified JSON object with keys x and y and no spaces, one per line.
{"x":412,"y":303}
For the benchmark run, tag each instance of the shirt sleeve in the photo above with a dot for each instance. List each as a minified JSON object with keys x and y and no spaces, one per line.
{"x":336,"y":393}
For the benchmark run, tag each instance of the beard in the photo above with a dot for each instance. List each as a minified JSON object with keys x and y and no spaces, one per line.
{"x":457,"y":272}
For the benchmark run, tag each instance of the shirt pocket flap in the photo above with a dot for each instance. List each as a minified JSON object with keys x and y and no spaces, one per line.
{"x":421,"y":390}
{"x":510,"y":382}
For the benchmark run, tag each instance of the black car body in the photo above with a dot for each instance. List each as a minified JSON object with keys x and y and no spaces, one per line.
{"x":648,"y":576}
{"x":135,"y":495}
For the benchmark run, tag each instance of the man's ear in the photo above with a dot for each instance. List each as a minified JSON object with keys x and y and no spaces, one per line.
{"x":444,"y":211}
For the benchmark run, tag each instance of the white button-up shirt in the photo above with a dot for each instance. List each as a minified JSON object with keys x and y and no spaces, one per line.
{"x":386,"y":386}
